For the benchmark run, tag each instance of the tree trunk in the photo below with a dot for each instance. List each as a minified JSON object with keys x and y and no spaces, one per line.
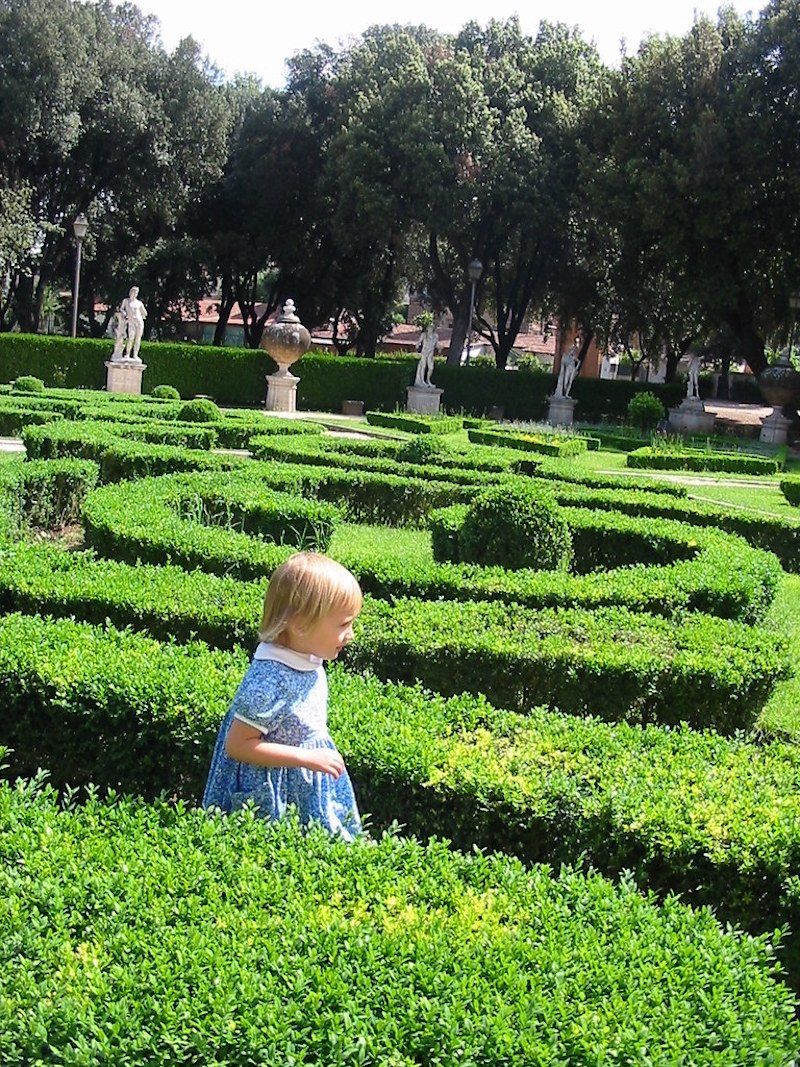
{"x":461,"y":328}
{"x":226,"y":303}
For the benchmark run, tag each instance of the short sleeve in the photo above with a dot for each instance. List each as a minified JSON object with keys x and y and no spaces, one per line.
{"x":261,"y":700}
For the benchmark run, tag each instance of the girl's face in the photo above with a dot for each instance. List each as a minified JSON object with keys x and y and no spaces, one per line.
{"x":327,"y":637}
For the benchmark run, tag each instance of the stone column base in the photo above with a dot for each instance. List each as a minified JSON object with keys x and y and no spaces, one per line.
{"x":423,"y":401}
{"x":691,"y":417}
{"x":560,"y":410}
{"x":124,"y":376}
{"x":774,"y":428}
{"x":282,"y":392}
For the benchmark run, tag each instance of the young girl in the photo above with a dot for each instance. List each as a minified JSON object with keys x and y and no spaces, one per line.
{"x":273,"y":746}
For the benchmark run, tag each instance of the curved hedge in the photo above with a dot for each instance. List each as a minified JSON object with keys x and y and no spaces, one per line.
{"x":714,"y":818}
{"x":204,"y":520}
{"x":609,"y":662}
{"x":167,"y":938}
{"x":708,"y":571}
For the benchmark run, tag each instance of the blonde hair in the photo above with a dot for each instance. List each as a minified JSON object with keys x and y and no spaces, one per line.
{"x":304,"y":589}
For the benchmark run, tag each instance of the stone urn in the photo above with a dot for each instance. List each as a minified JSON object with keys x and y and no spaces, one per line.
{"x":780,"y":385}
{"x":286,"y":339}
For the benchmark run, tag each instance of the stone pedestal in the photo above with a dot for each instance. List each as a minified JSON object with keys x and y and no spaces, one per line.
{"x":124,"y":376}
{"x":774,"y":428}
{"x":282,"y":391}
{"x":561,"y":410}
{"x":691,"y":417}
{"x":421,"y":400}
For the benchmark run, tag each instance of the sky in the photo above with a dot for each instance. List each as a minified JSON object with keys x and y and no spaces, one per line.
{"x":243,"y":36}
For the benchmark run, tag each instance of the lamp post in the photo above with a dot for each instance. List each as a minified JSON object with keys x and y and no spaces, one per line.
{"x":79,"y":227}
{"x":474,"y":271}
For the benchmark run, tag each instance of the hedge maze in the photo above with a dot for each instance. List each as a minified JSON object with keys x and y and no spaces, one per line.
{"x":578,"y":742}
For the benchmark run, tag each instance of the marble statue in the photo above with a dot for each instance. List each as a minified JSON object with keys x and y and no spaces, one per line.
{"x":427,"y":346}
{"x":567,"y":371}
{"x":120,"y":326}
{"x":693,"y":385}
{"x":134,"y":313}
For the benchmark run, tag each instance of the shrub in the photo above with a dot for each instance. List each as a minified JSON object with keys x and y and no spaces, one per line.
{"x":416,"y":423}
{"x":658,"y":458}
{"x":549,"y":444}
{"x":712,"y":817}
{"x":513,"y":527}
{"x":28,"y":383}
{"x":790,"y":487}
{"x":199,"y":410}
{"x":645,"y":411}
{"x":157,"y":937}
{"x":166,"y":392}
{"x":426,"y":449}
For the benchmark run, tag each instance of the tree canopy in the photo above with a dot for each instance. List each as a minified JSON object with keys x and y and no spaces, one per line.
{"x":660,"y":201}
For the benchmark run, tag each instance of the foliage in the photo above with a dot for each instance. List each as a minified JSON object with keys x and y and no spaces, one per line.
{"x":656,"y":457}
{"x":514,"y":528}
{"x":166,"y":392}
{"x":27,"y":383}
{"x":645,"y":411}
{"x":200,"y":410}
{"x":387,"y":909}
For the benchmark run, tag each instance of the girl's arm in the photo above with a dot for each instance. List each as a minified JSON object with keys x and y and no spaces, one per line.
{"x":245,"y":744}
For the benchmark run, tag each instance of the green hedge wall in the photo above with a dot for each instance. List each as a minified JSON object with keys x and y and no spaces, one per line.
{"x":229,"y":375}
{"x":168,"y":938}
{"x":689,"y":460}
{"x":236,"y":376}
{"x":714,"y":818}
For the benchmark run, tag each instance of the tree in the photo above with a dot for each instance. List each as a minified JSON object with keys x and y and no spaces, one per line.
{"x":511,"y":151}
{"x":111,"y":125}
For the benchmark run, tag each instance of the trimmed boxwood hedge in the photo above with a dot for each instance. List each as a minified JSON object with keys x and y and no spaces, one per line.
{"x":165,"y":937}
{"x":45,"y":493}
{"x":437,"y":424}
{"x":610,"y":662}
{"x":548,"y":445}
{"x":714,"y":818}
{"x":690,"y":460}
{"x":689,"y":568}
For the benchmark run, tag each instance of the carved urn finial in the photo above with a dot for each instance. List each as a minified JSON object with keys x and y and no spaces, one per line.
{"x":286,"y":339}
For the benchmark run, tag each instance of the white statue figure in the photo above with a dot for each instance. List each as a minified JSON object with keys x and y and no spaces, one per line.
{"x":605,"y":366}
{"x":567,"y":371}
{"x":693,"y":386}
{"x":135,"y":313}
{"x":120,"y":325}
{"x":427,"y":347}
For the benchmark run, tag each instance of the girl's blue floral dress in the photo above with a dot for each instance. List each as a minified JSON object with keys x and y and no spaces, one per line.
{"x":284,"y":695}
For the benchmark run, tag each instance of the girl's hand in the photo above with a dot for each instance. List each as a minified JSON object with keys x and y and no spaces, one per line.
{"x":326,"y":760}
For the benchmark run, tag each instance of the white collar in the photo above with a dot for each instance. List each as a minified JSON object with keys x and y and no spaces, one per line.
{"x":299,"y":661}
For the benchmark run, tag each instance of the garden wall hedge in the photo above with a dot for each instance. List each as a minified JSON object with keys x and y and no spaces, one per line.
{"x":237,"y":376}
{"x":657,"y":458}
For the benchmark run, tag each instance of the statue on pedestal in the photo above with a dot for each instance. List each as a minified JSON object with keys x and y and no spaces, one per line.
{"x":134,"y":313}
{"x":427,"y":346}
{"x":568,"y":370}
{"x":693,"y":385}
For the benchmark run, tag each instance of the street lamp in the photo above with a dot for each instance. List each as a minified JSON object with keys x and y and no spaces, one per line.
{"x":474,"y":270}
{"x":79,"y":228}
